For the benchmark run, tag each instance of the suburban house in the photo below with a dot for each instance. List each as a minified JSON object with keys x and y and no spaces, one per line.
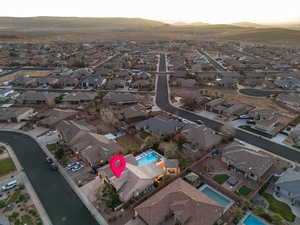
{"x":228,"y":82}
{"x":288,"y":186}
{"x":119,"y":98}
{"x":159,"y":126}
{"x":143,"y":75}
{"x":295,"y":135}
{"x":92,"y":82}
{"x":292,"y":99}
{"x":185,"y":83}
{"x":141,"y":84}
{"x":68,"y":81}
{"x":34,"y":97}
{"x":94,"y":148}
{"x":79,"y":97}
{"x":115,"y":83}
{"x":52,"y":117}
{"x":200,"y":138}
{"x":266,"y":121}
{"x":137,"y":177}
{"x":15,"y":115}
{"x":83,"y":71}
{"x":69,"y":130}
{"x":24,"y":81}
{"x":245,"y":162}
{"x":46,"y":81}
{"x":288,"y":83}
{"x":179,"y":203}
{"x":227,"y":107}
{"x":134,"y":113}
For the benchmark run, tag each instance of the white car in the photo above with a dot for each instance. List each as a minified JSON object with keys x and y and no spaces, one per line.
{"x":71,"y":165}
{"x":10,"y":185}
{"x":77,"y":168}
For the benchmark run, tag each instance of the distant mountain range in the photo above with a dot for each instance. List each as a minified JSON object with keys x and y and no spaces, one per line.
{"x":53,"y":28}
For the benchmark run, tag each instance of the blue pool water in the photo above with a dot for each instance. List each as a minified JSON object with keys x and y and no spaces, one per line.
{"x":149,"y":157}
{"x":251,"y":220}
{"x":216,"y":196}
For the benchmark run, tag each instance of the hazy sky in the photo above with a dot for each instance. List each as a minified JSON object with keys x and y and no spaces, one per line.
{"x":212,"y":11}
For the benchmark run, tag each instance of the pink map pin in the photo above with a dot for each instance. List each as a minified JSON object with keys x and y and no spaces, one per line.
{"x":117,"y":170}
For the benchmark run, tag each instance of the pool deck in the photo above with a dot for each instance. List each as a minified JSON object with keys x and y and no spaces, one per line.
{"x":219,"y":193}
{"x":251,"y":214}
{"x":147,"y":152}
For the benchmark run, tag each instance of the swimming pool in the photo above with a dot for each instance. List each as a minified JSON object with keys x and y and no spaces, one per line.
{"x":147,"y":157}
{"x":252,"y":220}
{"x":216,"y":196}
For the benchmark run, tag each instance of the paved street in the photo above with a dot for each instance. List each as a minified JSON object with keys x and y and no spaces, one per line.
{"x":162,"y":100}
{"x":59,"y":200}
{"x":213,"y":61}
{"x":261,"y":93}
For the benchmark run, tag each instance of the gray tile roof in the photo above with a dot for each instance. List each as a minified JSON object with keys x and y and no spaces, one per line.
{"x":247,"y":160}
{"x":290,"y":181}
{"x":160,"y":124}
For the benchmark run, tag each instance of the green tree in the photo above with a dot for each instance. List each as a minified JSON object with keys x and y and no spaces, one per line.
{"x":277,"y":219}
{"x":259,"y":210}
{"x":151,"y":141}
{"x":59,"y":153}
{"x":171,"y":151}
{"x":247,"y":204}
{"x":238,"y":213}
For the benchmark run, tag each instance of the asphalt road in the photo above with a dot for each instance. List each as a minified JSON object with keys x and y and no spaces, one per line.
{"x":261,"y":93}
{"x":162,"y":100}
{"x":61,"y":203}
{"x":77,"y":90}
{"x":213,"y":62}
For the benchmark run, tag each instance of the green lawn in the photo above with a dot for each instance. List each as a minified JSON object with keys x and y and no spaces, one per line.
{"x":4,"y":101}
{"x":221,"y":178}
{"x":26,"y":219}
{"x":53,"y":147}
{"x":279,"y":207}
{"x":296,"y":146}
{"x":296,"y":121}
{"x":245,"y":191}
{"x":129,"y":143}
{"x":14,"y":197}
{"x":6,"y":166}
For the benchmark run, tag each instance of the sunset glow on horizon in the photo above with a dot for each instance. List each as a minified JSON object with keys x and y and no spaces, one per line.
{"x":213,"y":11}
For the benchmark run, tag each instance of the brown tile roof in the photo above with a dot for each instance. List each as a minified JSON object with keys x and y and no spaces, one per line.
{"x":79,"y":96}
{"x":189,"y":206}
{"x":201,"y":137}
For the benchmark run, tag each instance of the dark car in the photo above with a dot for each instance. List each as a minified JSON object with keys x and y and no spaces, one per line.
{"x":251,"y":122}
{"x":54,"y":166}
{"x":200,"y":122}
{"x":49,"y":160}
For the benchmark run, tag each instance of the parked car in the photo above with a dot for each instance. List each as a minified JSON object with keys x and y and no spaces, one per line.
{"x":245,"y":117}
{"x":148,"y":107}
{"x":251,"y":122}
{"x":10,"y":185}
{"x":200,"y":122}
{"x":77,"y":168}
{"x":72,"y":165}
{"x":54,"y":166}
{"x":49,"y":160}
